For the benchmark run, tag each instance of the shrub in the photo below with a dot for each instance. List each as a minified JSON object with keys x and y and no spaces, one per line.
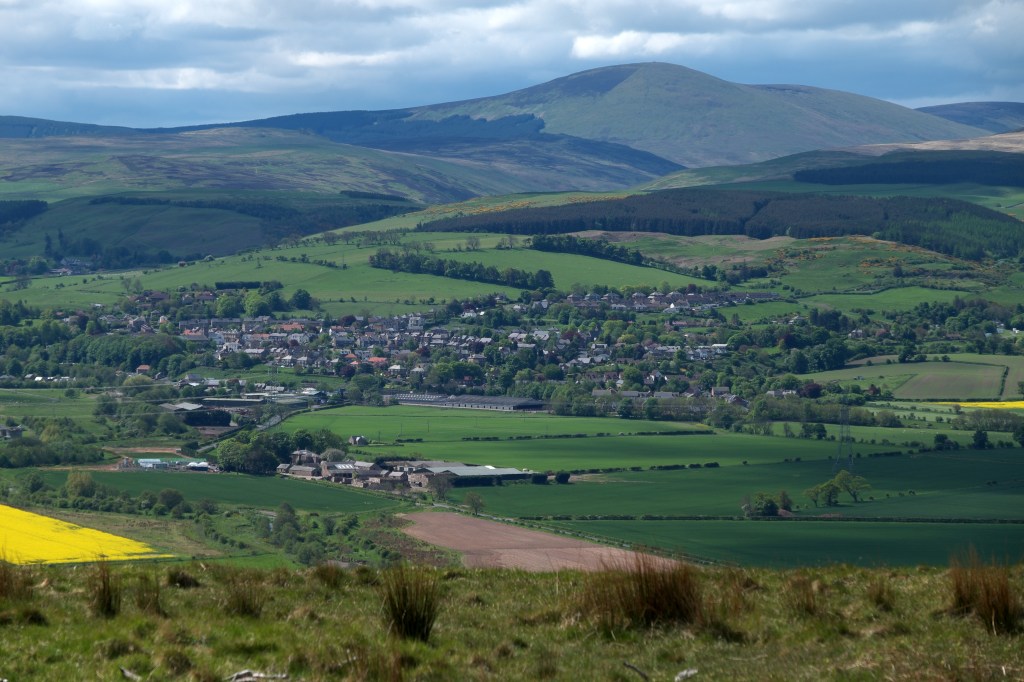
{"x":648,"y":592}
{"x":562,"y":477}
{"x":177,"y":577}
{"x":412,"y":600}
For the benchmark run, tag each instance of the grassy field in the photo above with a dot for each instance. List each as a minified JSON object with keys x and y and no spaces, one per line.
{"x":815,"y":543}
{"x":530,"y":440}
{"x":966,"y":484}
{"x":966,"y":376}
{"x":569,"y":269}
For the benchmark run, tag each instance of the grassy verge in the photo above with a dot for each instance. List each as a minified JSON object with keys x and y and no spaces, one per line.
{"x":835,"y":623}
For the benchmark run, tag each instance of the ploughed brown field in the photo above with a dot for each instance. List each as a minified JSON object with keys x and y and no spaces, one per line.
{"x":489,"y":544}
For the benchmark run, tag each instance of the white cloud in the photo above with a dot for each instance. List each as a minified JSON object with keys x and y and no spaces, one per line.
{"x":59,"y":54}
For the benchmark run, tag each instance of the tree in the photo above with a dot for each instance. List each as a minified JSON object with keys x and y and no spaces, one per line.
{"x":441,"y":485}
{"x":302,"y":300}
{"x":765,"y":505}
{"x":562,"y":477}
{"x":854,"y":486}
{"x":979,"y":440}
{"x":80,"y":484}
{"x":475,"y":502}
{"x":170,"y":498}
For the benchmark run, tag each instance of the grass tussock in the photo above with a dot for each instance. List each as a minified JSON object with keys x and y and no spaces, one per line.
{"x":330,"y":575}
{"x":245,"y":594}
{"x":985,"y":590}
{"x":647,"y":593}
{"x":411,"y":601}
{"x":147,"y":595}
{"x":104,"y":591}
{"x":881,"y":594}
{"x":15,"y":581}
{"x":805,"y":595}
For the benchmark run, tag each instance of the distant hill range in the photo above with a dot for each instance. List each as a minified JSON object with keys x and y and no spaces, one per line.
{"x":680,"y":115}
{"x":996,"y":117}
{"x":607,"y":128}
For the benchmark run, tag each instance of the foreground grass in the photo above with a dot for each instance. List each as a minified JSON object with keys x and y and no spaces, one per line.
{"x":207,"y":623}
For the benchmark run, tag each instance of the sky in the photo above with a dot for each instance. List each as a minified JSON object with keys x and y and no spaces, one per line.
{"x":149,"y":63}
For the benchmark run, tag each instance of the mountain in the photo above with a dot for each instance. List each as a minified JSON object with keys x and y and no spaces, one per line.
{"x":634,"y":121}
{"x":695,"y":119}
{"x":678,"y":114}
{"x":997,"y":117}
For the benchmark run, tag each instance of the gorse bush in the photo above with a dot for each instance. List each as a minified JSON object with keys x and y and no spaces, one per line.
{"x":646,"y":593}
{"x":985,"y":591}
{"x":411,"y":601}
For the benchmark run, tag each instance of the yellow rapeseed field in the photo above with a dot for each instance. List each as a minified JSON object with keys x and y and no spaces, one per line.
{"x":27,"y":538}
{"x":994,"y":405}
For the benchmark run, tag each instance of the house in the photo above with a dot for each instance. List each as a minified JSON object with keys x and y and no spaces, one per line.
{"x":11,"y":432}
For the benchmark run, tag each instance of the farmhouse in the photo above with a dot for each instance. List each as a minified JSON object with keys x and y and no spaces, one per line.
{"x":11,"y":432}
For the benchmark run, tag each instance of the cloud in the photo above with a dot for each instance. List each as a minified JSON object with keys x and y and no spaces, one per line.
{"x":211,"y":60}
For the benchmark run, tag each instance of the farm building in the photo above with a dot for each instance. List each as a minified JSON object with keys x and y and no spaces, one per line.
{"x":10,"y":432}
{"x":467,"y":402}
{"x":463,"y":475}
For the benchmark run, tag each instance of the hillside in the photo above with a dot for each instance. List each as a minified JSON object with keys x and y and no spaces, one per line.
{"x":698,"y":120}
{"x":210,"y":622}
{"x":240,"y":159}
{"x":605,"y":128}
{"x":998,"y":117}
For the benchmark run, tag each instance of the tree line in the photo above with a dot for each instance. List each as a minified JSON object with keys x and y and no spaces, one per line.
{"x":948,"y":226}
{"x":418,"y":263}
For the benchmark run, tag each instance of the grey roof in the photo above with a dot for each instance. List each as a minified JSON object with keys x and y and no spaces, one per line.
{"x":471,"y":471}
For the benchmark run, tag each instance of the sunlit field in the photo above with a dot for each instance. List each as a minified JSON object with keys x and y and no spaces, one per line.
{"x":27,"y":538}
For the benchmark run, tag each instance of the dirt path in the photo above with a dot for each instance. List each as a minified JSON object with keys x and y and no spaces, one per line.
{"x":489,"y":544}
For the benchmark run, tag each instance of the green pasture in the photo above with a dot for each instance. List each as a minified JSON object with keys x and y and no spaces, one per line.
{"x":890,"y":300}
{"x":48,"y":402}
{"x":432,"y":424}
{"x":816,"y":543}
{"x":969,"y":377}
{"x":264,"y":492}
{"x":530,"y":440}
{"x":569,"y":269}
{"x":966,"y":484}
{"x":922,"y":432}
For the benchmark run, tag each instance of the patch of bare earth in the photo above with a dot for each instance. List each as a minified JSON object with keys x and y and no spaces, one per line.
{"x":489,"y":544}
